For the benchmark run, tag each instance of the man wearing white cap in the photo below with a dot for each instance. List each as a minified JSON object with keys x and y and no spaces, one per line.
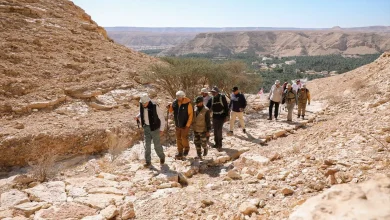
{"x":205,"y":94}
{"x":153,"y":122}
{"x":275,"y":97}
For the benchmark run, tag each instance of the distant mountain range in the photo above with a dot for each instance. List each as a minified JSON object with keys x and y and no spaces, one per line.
{"x":263,"y":40}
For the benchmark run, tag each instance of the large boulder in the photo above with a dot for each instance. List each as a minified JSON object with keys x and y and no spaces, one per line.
{"x":12,"y":198}
{"x":368,"y":200}
{"x":65,"y":211}
{"x":51,"y":192}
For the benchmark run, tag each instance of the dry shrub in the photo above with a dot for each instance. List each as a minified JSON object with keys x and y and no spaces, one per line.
{"x":190,"y":75}
{"x":43,"y":167}
{"x":296,"y":149}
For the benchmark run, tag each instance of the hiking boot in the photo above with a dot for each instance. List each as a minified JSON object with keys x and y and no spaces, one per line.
{"x":179,"y":156}
{"x":162,"y":161}
{"x":214,"y":146}
{"x":219,"y":149}
{"x":199,"y":154}
{"x":276,"y":119}
{"x":147,"y":164}
{"x":243,"y":130}
{"x":269,"y":119}
{"x":186,"y":151}
{"x":205,"y":152}
{"x":299,"y":116}
{"x":303,"y":117}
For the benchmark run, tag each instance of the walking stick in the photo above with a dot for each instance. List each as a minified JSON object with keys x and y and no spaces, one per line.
{"x":168,"y":136}
{"x":143,"y":142}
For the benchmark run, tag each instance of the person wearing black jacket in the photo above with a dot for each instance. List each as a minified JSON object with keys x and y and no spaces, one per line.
{"x":237,"y":106}
{"x":153,"y":123}
{"x":219,"y":106}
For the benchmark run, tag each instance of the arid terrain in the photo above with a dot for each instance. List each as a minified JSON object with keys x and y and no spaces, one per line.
{"x":68,"y":96}
{"x":59,"y":76}
{"x":286,"y":43}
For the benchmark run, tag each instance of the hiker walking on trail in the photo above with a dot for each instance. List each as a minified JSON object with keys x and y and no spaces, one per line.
{"x":219,"y":106}
{"x":290,"y":97}
{"x":205,"y":94}
{"x":275,"y":97}
{"x":201,"y":127}
{"x":237,"y":106}
{"x":153,"y":123}
{"x":303,"y":99}
{"x":183,"y":113}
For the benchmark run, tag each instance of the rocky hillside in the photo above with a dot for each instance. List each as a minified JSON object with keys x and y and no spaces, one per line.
{"x":286,"y":43}
{"x":61,"y":78}
{"x":324,"y":167}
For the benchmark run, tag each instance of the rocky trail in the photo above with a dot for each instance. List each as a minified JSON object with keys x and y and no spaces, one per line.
{"x":263,"y":174}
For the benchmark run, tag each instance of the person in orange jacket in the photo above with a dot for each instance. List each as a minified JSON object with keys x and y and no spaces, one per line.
{"x":183,"y":114}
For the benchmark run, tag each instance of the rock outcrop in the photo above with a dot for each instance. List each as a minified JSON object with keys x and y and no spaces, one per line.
{"x":368,"y":200}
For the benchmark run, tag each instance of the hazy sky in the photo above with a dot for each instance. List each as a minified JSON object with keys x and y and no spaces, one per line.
{"x":238,"y":13}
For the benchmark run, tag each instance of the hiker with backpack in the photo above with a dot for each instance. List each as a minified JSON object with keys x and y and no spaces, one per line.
{"x":220,"y":110}
{"x":183,"y":113}
{"x":153,"y":123}
{"x":201,"y":126}
{"x":237,"y":106}
{"x":275,"y":97}
{"x":290,"y":98}
{"x":303,"y":99}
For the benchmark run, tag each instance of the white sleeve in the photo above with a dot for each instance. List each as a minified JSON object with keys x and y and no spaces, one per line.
{"x":138,"y":116}
{"x":162,"y":118}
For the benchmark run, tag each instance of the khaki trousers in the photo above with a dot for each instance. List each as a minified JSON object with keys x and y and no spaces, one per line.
{"x":234,"y":116}
{"x":301,"y":108}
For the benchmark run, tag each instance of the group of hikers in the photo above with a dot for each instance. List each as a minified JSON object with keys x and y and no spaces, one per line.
{"x":210,"y":112}
{"x":291,"y":95}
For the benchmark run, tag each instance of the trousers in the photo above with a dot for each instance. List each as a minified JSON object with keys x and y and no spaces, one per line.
{"x":233,"y":116}
{"x":155,"y":136}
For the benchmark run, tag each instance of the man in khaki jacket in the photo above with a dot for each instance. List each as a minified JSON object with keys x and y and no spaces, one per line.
{"x":201,"y":126}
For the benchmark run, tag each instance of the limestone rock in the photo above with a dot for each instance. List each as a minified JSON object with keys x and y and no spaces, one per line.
{"x":30,"y":208}
{"x":127,"y":211}
{"x":99,"y":201}
{"x":234,"y":175}
{"x":51,"y":192}
{"x":94,"y":217}
{"x":65,"y":211}
{"x":76,"y":192}
{"x":254,"y":159}
{"x":107,"y":176}
{"x":368,"y":200}
{"x":247,"y":208}
{"x":106,"y":190}
{"x":206,"y":202}
{"x":109,"y":212}
{"x":168,"y":177}
{"x":12,"y":198}
{"x":260,"y":175}
{"x":287,"y":191}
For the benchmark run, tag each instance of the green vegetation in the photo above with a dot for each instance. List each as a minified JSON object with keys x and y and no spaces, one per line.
{"x":286,"y":73}
{"x":192,"y":74}
{"x":152,"y":52}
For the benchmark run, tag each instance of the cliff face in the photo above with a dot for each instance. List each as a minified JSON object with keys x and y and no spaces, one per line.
{"x":287,"y":43}
{"x":56,"y":67}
